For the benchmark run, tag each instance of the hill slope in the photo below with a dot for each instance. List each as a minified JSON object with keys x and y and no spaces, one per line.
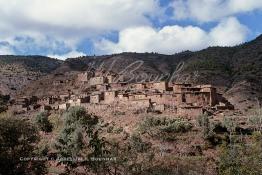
{"x":237,"y":71}
{"x":17,"y":71}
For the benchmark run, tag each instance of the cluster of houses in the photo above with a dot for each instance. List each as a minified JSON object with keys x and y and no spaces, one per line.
{"x":109,"y":91}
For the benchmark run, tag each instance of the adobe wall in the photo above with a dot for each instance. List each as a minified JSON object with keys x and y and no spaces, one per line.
{"x":157,"y":98}
{"x":139,"y":96}
{"x":96,"y":81}
{"x":95,"y":99}
{"x":177,"y":88}
{"x":138,"y":86}
{"x":122,"y":97}
{"x":115,"y":86}
{"x":64,"y":106}
{"x":110,"y":79}
{"x":168,"y":99}
{"x":83,"y":77}
{"x":44,"y":101}
{"x":101,"y":87}
{"x":110,"y":96}
{"x":139,"y":104}
{"x":200,"y":99}
{"x":161,"y":86}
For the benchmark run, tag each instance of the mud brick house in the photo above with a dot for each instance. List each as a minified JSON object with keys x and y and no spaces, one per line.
{"x":64,"y":106}
{"x":97,"y":81}
{"x":21,"y":105}
{"x":84,"y":77}
{"x":180,"y":98}
{"x":96,"y":98}
{"x":48,"y":100}
{"x":110,"y":96}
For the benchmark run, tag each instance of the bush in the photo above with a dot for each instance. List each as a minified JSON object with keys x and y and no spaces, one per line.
{"x":240,"y":158}
{"x":118,"y":130}
{"x":164,"y":128}
{"x":229,"y":124}
{"x":79,"y":137}
{"x":138,"y":144}
{"x":3,"y":102}
{"x":256,"y":120}
{"x":43,"y":123}
{"x":207,"y":129}
{"x":17,"y":140}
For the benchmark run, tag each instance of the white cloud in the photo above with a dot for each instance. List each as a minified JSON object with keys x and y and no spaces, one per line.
{"x":72,"y":54}
{"x":75,"y":17}
{"x":212,"y":10}
{"x":6,"y":50}
{"x":68,"y":21}
{"x":229,"y":32}
{"x":173,"y":39}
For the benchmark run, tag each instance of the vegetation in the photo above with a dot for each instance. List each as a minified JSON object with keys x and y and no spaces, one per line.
{"x":240,"y":158}
{"x":3,"y":102}
{"x":42,"y":122}
{"x":164,"y":128}
{"x":138,"y":144}
{"x":256,"y":120}
{"x":132,"y":158}
{"x":79,"y":137}
{"x":34,"y":63}
{"x":204,"y":123}
{"x":17,"y":143}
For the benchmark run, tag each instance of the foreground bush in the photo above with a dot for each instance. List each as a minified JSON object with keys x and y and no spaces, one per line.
{"x":79,"y":137}
{"x":17,"y":141}
{"x":241,"y":158}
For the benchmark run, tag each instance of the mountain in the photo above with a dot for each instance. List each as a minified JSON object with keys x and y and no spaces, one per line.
{"x":17,"y":71}
{"x":236,"y":71}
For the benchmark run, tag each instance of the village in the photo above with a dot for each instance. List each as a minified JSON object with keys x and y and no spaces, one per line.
{"x":109,"y":91}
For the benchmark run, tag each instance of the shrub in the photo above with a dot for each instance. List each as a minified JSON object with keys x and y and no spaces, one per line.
{"x":118,"y":130}
{"x":256,"y":120}
{"x":110,"y":129}
{"x":17,"y":140}
{"x":3,"y":102}
{"x":207,"y":128}
{"x":229,"y":124}
{"x":80,"y":137}
{"x":240,"y":159}
{"x":164,"y":128}
{"x":138,"y":144}
{"x":57,"y":122}
{"x":42,"y":122}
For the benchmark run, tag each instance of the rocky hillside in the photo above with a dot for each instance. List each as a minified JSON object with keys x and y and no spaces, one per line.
{"x":237,"y":71}
{"x":18,"y":71}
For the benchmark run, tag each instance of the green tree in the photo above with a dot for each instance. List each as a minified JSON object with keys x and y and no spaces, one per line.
{"x":80,"y":138}
{"x":17,"y":141}
{"x":256,"y":120}
{"x":241,"y":158}
{"x":3,"y":102}
{"x":42,"y":122}
{"x":204,"y":123}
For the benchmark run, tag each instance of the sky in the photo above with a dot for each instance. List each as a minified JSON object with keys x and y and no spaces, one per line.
{"x":71,"y":28}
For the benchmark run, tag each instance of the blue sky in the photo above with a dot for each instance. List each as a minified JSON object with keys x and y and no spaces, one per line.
{"x":71,"y":28}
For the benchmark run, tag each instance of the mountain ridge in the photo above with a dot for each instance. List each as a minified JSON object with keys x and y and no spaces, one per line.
{"x":236,"y":71}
